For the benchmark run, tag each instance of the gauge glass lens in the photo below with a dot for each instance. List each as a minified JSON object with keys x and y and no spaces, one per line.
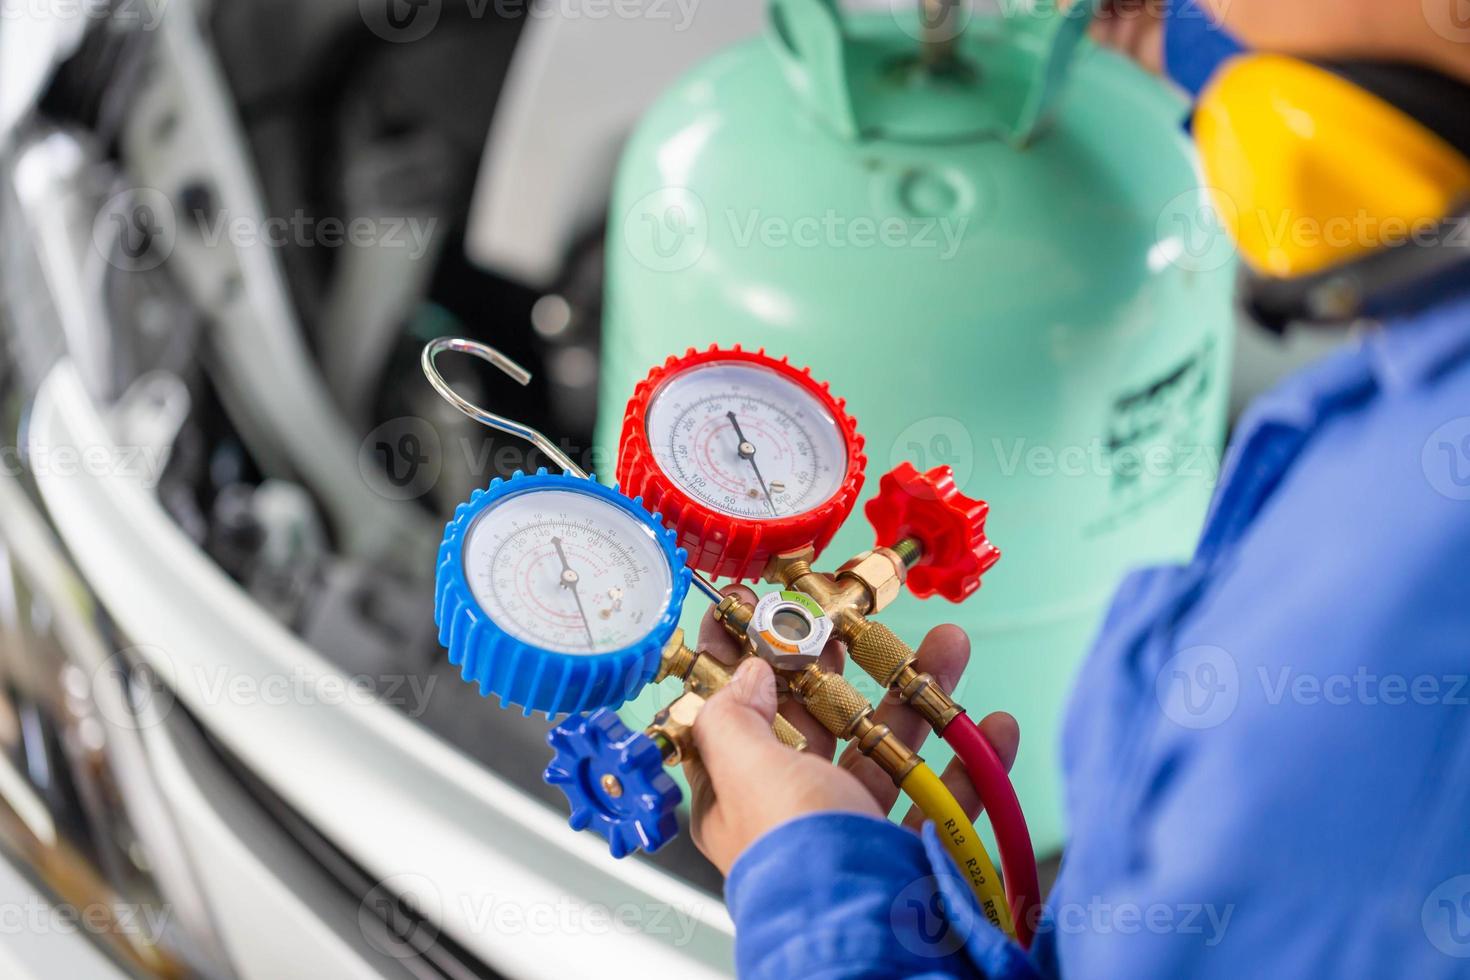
{"x":746,"y":442}
{"x":567,"y":572}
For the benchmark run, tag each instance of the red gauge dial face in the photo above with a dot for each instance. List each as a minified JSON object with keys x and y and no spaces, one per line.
{"x":747,"y":442}
{"x":743,"y":455}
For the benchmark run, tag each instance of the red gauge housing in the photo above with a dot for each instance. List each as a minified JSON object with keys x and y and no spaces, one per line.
{"x":719,"y":544}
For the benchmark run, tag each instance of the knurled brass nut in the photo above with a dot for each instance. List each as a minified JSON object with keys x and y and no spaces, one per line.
{"x":879,"y":572}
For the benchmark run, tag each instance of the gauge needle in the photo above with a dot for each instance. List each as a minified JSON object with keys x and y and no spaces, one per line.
{"x":747,"y":453}
{"x":569,"y":580}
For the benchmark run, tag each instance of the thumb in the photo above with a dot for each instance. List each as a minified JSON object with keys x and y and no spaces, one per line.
{"x":733,"y":732}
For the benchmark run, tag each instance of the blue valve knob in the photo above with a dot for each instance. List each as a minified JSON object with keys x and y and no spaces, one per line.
{"x":614,"y":780}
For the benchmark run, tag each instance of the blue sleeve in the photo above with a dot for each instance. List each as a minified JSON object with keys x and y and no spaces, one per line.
{"x":839,"y":895}
{"x":1266,"y":752}
{"x":1195,"y":45}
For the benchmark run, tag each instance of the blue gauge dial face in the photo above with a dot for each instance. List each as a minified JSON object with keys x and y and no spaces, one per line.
{"x":567,"y":571}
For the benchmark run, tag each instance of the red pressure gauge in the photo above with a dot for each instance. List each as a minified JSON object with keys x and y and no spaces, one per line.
{"x":745,"y":456}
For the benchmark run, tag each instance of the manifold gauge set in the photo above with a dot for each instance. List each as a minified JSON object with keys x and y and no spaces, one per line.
{"x":561,"y":595}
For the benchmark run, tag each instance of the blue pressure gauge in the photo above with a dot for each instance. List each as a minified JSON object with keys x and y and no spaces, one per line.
{"x":557,"y":593}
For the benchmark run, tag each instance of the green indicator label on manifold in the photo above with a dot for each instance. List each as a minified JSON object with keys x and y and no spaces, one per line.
{"x":804,"y":601}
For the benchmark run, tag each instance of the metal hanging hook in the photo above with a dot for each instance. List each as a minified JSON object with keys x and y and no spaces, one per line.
{"x":484,"y":416}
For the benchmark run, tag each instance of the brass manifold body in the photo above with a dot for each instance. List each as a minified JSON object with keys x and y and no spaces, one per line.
{"x":840,"y":708}
{"x":703,"y":675}
{"x":861,"y":587}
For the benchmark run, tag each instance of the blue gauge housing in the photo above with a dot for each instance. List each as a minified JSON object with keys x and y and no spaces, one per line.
{"x":525,"y":675}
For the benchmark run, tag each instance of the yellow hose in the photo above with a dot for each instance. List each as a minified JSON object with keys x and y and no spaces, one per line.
{"x":962,"y":841}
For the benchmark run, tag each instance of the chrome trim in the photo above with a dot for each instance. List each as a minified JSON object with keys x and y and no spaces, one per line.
{"x":38,"y":557}
{"x":31,"y":955}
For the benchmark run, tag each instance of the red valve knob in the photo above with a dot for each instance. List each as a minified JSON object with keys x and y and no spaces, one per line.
{"x":743,"y":455}
{"x":949,"y":525}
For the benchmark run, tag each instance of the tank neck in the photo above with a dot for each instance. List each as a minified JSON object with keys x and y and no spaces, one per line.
{"x":917,"y":78}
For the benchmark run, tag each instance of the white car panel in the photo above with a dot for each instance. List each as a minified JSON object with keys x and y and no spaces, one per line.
{"x":384,"y":790}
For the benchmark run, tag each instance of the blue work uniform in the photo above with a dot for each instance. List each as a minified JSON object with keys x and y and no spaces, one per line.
{"x":1267,"y":753}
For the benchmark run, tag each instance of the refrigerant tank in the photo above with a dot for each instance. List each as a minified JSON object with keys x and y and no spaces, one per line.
{"x":1001,"y":264}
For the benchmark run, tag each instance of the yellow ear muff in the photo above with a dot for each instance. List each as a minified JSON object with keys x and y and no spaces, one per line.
{"x":1310,"y":171}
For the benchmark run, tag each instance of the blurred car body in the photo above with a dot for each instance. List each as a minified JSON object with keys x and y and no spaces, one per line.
{"x":223,"y":700}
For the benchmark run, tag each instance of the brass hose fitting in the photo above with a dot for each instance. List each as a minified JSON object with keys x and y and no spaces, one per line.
{"x":881,"y":574}
{"x":923,"y":693}
{"x":846,"y":714}
{"x":878,"y":651}
{"x":673,"y":728}
{"x":734,"y":613}
{"x":890,"y":661}
{"x":831,"y":700}
{"x":704,"y":675}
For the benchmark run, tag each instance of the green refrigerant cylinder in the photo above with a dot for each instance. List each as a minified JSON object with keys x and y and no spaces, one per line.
{"x":996,"y":257}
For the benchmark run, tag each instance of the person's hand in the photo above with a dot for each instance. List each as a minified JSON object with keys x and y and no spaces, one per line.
{"x":1131,"y":27}
{"x":744,"y":782}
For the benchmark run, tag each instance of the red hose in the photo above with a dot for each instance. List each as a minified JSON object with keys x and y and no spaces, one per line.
{"x":1017,"y":859}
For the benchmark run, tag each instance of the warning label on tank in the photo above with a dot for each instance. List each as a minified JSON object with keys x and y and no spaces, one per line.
{"x":1159,"y":438}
